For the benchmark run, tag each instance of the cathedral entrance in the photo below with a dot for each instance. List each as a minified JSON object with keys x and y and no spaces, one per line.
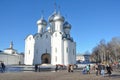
{"x":45,"y":58}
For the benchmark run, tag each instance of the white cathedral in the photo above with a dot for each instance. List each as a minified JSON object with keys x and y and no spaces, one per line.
{"x":52,"y":45}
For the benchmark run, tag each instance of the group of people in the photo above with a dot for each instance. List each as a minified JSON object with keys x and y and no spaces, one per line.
{"x":2,"y":66}
{"x":61,"y":67}
{"x":100,"y":69}
{"x":86,"y":70}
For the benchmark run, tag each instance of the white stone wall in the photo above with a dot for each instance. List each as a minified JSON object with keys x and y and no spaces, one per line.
{"x":66,"y":52}
{"x":42,"y":46}
{"x":57,"y":48}
{"x":9,"y":51}
{"x":38,"y":49}
{"x":29,"y":50}
{"x":10,"y":59}
{"x":73,"y":44}
{"x":69,"y":52}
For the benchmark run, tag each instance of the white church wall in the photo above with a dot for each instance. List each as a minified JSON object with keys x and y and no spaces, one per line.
{"x":66,"y":53}
{"x":57,"y":45}
{"x":37,"y":49}
{"x":69,"y":52}
{"x":47,"y":43}
{"x":42,"y":46}
{"x":29,"y":50}
{"x":73,"y":52}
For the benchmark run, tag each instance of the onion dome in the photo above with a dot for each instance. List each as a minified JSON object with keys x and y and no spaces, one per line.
{"x":42,"y":22}
{"x":58,"y":17}
{"x":66,"y":25}
{"x":52,"y":17}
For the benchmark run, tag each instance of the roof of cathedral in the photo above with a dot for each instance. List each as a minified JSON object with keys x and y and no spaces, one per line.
{"x":42,"y":21}
{"x":56,"y":16}
{"x":66,"y":25}
{"x":65,"y":38}
{"x":10,"y":49}
{"x":52,"y":16}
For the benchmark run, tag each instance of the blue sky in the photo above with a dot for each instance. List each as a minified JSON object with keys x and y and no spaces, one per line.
{"x":91,"y":20}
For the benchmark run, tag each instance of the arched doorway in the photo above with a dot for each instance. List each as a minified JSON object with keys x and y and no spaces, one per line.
{"x":45,"y":58}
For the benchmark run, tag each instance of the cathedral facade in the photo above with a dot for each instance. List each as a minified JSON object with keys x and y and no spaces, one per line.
{"x":52,"y":44}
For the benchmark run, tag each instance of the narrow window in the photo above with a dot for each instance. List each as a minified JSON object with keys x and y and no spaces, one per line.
{"x":56,"y":50}
{"x":46,"y":50}
{"x":37,"y":51}
{"x":67,"y":49}
{"x":73,"y":51}
{"x":55,"y":34}
{"x":30,"y":38}
{"x":42,"y":30}
{"x":46,"y":36}
{"x":29,"y":51}
{"x":56,"y":58}
{"x":37,"y":37}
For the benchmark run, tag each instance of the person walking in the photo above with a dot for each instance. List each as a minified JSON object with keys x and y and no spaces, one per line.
{"x":68,"y":68}
{"x":3,"y":67}
{"x":109,"y":69}
{"x":84,"y":71}
{"x":88,"y":69}
{"x":99,"y":68}
{"x":56,"y":68}
{"x":103,"y":70}
{"x":96,"y":68}
{"x":71,"y":68}
{"x":36,"y":67}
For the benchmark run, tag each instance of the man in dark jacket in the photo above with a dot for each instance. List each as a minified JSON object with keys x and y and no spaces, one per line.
{"x":2,"y":67}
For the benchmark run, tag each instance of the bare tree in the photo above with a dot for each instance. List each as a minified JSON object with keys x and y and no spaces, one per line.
{"x":107,"y":52}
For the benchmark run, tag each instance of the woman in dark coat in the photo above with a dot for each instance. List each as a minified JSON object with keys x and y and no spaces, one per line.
{"x":109,"y":69}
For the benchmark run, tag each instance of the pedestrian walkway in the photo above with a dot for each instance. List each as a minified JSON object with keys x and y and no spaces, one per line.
{"x":61,"y":75}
